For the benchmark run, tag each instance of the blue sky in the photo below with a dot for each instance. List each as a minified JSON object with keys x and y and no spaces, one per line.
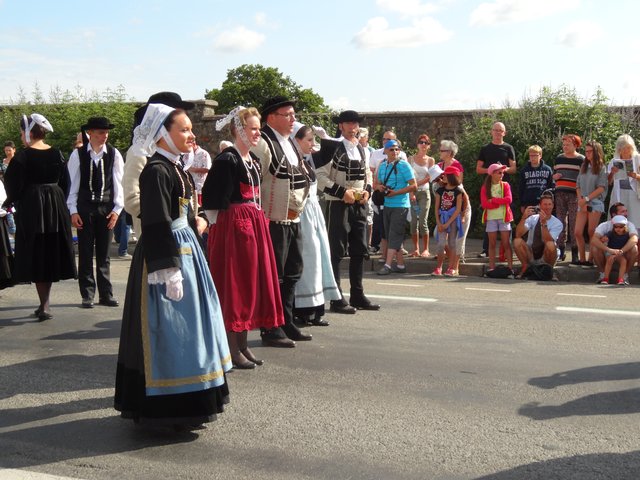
{"x":373,"y":55}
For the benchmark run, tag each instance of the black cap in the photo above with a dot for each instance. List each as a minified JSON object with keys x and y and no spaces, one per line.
{"x":170,"y":99}
{"x":348,"y":116}
{"x":275,"y":103}
{"x":98,"y":123}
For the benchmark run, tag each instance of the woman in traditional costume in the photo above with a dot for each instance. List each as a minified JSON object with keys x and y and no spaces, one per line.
{"x":240,"y":250}
{"x":317,"y":283}
{"x":6,"y":254}
{"x":173,"y":349}
{"x":36,"y":183}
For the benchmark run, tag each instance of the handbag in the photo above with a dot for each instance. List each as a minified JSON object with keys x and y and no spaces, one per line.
{"x":377,"y":197}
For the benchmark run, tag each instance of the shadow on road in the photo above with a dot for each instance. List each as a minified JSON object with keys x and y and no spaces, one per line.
{"x":597,"y":466}
{"x":603,"y":403}
{"x":600,"y":373}
{"x":107,"y":329}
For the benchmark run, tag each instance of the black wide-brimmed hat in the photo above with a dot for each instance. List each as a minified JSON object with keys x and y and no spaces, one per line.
{"x":98,"y":123}
{"x":170,"y":99}
{"x":275,"y":103}
{"x":348,"y":116}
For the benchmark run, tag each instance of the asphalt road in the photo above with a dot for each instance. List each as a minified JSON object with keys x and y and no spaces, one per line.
{"x":452,"y":379}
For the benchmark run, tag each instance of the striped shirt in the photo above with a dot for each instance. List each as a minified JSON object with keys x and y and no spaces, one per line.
{"x":569,"y":168}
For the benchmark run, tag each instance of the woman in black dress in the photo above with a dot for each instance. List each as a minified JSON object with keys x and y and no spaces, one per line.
{"x":36,"y":182}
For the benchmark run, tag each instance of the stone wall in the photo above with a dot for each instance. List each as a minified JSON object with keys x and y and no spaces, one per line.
{"x":407,"y":125}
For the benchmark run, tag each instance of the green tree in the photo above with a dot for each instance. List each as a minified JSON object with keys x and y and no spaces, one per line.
{"x":252,"y":85}
{"x":67,"y":111}
{"x":542,"y":120}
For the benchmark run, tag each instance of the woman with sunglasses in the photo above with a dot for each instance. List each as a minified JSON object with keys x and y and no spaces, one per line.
{"x":421,"y":162}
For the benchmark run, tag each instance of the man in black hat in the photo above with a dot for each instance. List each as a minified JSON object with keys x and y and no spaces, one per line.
{"x":95,"y":202}
{"x":284,"y":191}
{"x":134,"y":164}
{"x":346,"y":180}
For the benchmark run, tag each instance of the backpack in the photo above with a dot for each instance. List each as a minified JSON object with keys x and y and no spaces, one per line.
{"x":501,"y":271}
{"x":541,"y":272}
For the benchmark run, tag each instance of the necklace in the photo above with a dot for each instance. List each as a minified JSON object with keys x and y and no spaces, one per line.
{"x":184,"y":190}
{"x":248,"y":166}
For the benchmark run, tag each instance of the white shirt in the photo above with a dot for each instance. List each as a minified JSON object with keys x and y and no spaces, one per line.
{"x":377,"y":156}
{"x":553,"y":224}
{"x":605,"y":228}
{"x":74,"y":172}
{"x":289,"y":152}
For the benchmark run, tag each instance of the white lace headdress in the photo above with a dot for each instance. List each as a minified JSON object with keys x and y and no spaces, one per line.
{"x":233,"y":116}
{"x":38,"y":119}
{"x":151,"y":129}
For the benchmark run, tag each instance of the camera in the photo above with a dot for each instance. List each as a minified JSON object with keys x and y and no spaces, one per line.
{"x":386,"y":191}
{"x":536,"y":209}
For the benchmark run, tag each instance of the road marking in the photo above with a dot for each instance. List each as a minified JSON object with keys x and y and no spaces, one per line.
{"x":28,"y":475}
{"x":628,"y":313}
{"x":581,"y":295}
{"x":487,"y":289}
{"x":395,"y":297}
{"x":399,"y":284}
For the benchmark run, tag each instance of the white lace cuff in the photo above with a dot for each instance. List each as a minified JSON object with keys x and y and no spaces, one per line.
{"x":165,"y":275}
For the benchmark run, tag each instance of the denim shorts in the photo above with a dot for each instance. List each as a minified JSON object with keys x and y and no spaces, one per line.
{"x":596,"y":205}
{"x":497,"y":226}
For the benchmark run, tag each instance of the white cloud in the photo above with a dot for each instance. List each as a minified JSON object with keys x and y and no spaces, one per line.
{"x":408,"y":7}
{"x":423,"y":31}
{"x":238,"y":39}
{"x":260,"y":19}
{"x":580,"y":33}
{"x":514,"y":11}
{"x":340,"y":103}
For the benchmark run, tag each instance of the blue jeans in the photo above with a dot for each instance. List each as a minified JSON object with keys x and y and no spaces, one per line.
{"x":121,"y":233}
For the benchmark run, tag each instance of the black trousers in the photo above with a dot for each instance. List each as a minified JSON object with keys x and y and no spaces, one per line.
{"x":94,"y":235}
{"x":287,"y":249}
{"x":347,"y":230}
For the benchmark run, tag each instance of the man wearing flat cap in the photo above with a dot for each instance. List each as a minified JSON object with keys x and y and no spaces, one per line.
{"x":345,"y":178}
{"x":135,"y":163}
{"x":95,"y":202}
{"x":284,"y":191}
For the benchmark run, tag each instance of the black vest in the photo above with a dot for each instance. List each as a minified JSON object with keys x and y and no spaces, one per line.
{"x":96,"y":181}
{"x":298,"y":175}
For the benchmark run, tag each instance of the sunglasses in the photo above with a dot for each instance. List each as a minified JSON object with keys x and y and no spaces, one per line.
{"x":423,"y":142}
{"x":619,"y":226}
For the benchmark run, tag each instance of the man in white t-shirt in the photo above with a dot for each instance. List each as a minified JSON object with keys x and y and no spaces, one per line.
{"x":544,"y":230}
{"x":598,"y":243}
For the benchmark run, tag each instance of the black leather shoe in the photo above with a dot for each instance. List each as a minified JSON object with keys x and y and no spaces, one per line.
{"x":364,"y":304}
{"x":319,"y":322}
{"x":247,"y":353}
{"x":342,"y":308}
{"x":244,"y":366}
{"x":43,"y":316}
{"x":109,"y":302}
{"x":278,"y":342}
{"x":294,"y":333}
{"x":87,"y":303}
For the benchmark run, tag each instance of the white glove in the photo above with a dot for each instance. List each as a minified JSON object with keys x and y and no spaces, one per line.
{"x":3,"y":212}
{"x":174,"y":289}
{"x":319,"y":131}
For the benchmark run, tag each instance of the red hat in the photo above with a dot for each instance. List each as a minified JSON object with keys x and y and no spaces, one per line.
{"x":452,"y":170}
